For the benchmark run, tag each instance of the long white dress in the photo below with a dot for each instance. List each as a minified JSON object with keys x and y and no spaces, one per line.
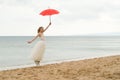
{"x":38,"y":50}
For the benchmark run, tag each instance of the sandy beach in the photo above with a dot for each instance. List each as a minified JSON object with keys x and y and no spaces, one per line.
{"x":103,"y":68}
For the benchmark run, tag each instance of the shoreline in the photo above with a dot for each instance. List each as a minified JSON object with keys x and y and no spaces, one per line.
{"x":102,"y":68}
{"x":47,"y":63}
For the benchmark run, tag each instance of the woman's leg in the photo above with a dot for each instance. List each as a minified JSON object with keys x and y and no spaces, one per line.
{"x":37,"y":63}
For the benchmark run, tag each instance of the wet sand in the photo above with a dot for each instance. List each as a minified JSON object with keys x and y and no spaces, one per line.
{"x":103,"y":68}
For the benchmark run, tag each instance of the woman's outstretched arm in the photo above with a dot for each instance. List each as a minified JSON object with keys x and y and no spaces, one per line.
{"x":33,"y":39}
{"x":47,"y":27}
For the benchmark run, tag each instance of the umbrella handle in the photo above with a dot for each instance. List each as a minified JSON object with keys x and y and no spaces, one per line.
{"x":50,"y":18}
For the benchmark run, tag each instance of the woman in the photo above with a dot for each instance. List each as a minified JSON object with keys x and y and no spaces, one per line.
{"x":39,"y":48}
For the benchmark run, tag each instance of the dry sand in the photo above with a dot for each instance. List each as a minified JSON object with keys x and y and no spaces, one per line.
{"x":104,"y":68}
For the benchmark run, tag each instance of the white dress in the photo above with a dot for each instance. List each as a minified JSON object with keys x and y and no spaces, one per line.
{"x":38,"y":50}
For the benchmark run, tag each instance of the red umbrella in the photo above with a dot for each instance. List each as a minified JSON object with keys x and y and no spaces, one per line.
{"x":49,"y":12}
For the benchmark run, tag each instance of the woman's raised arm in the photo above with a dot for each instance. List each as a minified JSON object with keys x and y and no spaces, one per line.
{"x":47,"y":27}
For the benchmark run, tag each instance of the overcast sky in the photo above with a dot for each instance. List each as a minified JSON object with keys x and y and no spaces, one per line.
{"x":76,"y":17}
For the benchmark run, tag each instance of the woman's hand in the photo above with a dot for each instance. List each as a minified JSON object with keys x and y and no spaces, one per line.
{"x":50,"y":23}
{"x":29,"y":42}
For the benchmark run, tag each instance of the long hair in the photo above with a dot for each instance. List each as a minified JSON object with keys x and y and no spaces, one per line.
{"x":39,"y":29}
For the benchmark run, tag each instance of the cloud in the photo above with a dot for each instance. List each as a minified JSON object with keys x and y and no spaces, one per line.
{"x":79,"y":16}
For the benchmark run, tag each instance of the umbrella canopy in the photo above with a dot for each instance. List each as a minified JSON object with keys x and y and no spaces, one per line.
{"x":49,"y":12}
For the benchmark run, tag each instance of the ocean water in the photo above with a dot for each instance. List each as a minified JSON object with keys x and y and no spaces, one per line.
{"x":15,"y":51}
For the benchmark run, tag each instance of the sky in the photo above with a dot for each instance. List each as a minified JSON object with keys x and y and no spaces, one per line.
{"x":76,"y":17}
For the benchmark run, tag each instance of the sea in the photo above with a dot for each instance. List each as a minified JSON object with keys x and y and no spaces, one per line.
{"x":15,"y":51}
